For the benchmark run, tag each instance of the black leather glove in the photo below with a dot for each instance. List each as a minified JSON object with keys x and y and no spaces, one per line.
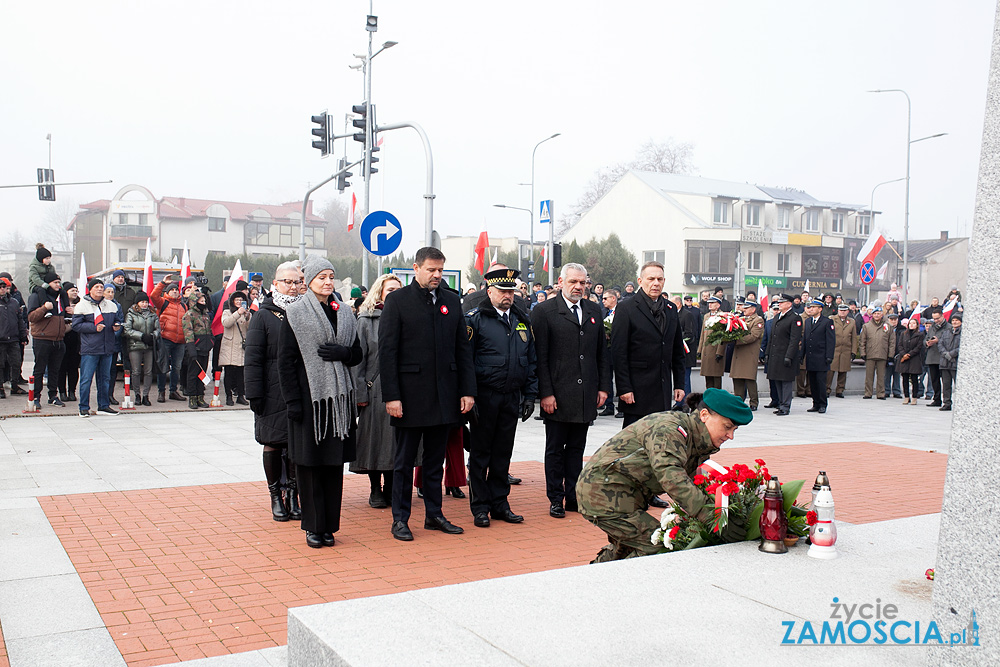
{"x":734,"y":531}
{"x":147,"y":339}
{"x":788,"y":363}
{"x":853,"y":356}
{"x":294,"y":410}
{"x":24,"y":341}
{"x":829,"y":362}
{"x":527,"y":409}
{"x":190,"y":349}
{"x":333,"y":352}
{"x":257,"y":405}
{"x":719,"y":357}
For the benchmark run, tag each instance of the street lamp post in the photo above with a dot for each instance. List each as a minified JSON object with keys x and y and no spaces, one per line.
{"x":531,"y":256}
{"x":871,"y":222}
{"x":906,"y":210}
{"x":532,"y":207}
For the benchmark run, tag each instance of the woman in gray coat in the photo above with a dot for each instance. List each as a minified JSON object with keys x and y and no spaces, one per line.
{"x":375,"y":444}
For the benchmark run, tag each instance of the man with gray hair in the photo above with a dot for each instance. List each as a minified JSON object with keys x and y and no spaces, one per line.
{"x":574,"y":378}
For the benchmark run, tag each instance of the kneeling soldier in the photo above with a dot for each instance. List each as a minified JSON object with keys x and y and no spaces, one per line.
{"x":659,"y":453}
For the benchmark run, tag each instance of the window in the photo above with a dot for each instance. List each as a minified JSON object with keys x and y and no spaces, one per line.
{"x":653,"y":256}
{"x":864,"y":225}
{"x":143,"y":218}
{"x":142,"y":254}
{"x":812,"y":220}
{"x":123,"y":218}
{"x":272,"y":234}
{"x":315,"y":237}
{"x":784,"y":263}
{"x":216,"y":224}
{"x":720,"y":212}
{"x":753,"y":261}
{"x":178,"y":253}
{"x":122,"y":252}
{"x":784,"y":217}
{"x":838,"y":223}
{"x":751,"y":215}
{"x":712,"y":256}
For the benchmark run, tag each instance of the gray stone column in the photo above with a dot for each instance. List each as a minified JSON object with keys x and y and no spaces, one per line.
{"x":968,"y":562}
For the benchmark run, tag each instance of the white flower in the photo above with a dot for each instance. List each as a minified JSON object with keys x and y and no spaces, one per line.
{"x":656,"y":537}
{"x":667,"y":519}
{"x":712,"y":320}
{"x":668,"y":545}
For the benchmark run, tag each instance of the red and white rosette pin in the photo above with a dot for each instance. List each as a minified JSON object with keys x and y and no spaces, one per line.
{"x":593,"y":321}
{"x":335,"y":305}
{"x":444,"y":309}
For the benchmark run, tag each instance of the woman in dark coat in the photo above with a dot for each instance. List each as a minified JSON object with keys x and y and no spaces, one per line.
{"x":376,"y":444}
{"x":263,"y":390}
{"x":910,"y":351}
{"x":317,"y":344}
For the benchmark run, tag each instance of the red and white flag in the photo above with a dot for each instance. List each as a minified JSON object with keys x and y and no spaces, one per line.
{"x":482,"y":245}
{"x":204,"y":377}
{"x":762,"y":295}
{"x":185,"y":264}
{"x":496,"y":254}
{"x":949,"y":308}
{"x":545,"y":260}
{"x":350,"y":216}
{"x":871,"y":247}
{"x":881,"y":271}
{"x":234,"y":278}
{"x":82,"y":284}
{"x":98,"y":317}
{"x":147,"y":271}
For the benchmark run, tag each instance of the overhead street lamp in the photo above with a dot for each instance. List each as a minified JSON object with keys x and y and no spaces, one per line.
{"x":906,"y":210}
{"x":531,"y":210}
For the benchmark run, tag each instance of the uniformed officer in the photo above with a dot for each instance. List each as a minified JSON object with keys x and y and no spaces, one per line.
{"x":713,"y":357}
{"x":783,"y":349}
{"x":878,"y":343}
{"x":503,"y":353}
{"x":659,"y":453}
{"x":818,"y":343}
{"x":845,"y":350}
{"x":746,"y":355}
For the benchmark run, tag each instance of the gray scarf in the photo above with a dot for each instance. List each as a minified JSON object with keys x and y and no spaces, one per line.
{"x":330,"y":385}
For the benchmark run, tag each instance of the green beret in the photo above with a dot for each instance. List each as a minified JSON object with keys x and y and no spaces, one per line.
{"x":727,"y":405}
{"x":355,"y":292}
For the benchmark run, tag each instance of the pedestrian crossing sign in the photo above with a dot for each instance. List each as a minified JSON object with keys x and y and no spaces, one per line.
{"x":545,"y":211}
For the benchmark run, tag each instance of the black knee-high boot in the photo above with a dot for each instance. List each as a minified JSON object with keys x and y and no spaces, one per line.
{"x":387,"y":485}
{"x":292,"y":492}
{"x":272,"y":472}
{"x":376,"y":498}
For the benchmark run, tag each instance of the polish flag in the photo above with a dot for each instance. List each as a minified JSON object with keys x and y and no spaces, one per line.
{"x":203,"y":376}
{"x":807,"y":287}
{"x":762,"y":295}
{"x":881,"y":271}
{"x":82,"y":284}
{"x":871,"y":247}
{"x":496,"y":252}
{"x":482,"y":245}
{"x":350,"y":216}
{"x":236,"y":276}
{"x":545,"y":266}
{"x":185,"y":264}
{"x":98,"y":317}
{"x":949,"y":307}
{"x":147,"y":272}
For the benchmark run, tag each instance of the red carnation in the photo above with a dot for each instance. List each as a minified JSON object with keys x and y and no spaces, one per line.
{"x":729,"y":488}
{"x":673,"y":532}
{"x":766,"y":474}
{"x":699,"y":479}
{"x":759,"y":462}
{"x":712,"y":488}
{"x":811,"y":517}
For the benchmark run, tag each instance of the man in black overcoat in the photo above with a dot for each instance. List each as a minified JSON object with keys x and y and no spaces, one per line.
{"x":782,"y":357}
{"x":428,"y":382}
{"x":647,"y":349}
{"x":819,"y":341}
{"x":574,"y":378}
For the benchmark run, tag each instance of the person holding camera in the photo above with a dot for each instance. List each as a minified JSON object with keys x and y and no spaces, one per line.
{"x":235,"y":319}
{"x":166,"y":299}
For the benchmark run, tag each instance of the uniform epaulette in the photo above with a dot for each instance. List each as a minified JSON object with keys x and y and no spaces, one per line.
{"x":473,"y":311}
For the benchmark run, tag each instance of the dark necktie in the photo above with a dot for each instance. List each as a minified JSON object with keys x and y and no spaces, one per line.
{"x":576,"y":313}
{"x":506,"y":320}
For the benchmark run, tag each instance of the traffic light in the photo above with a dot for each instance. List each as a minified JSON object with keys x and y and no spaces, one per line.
{"x":46,"y":192}
{"x":556,"y":254}
{"x":361,"y":110}
{"x":342,"y":183}
{"x":322,"y":142}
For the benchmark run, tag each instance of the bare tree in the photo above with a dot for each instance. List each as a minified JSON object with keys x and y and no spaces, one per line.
{"x":53,"y":232}
{"x":666,"y":157}
{"x":15,"y":240}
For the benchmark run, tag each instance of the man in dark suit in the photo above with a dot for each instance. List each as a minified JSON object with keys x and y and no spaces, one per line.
{"x":574,"y":378}
{"x":647,"y":349}
{"x":783,"y":352}
{"x":818,"y":344}
{"x":428,"y":381}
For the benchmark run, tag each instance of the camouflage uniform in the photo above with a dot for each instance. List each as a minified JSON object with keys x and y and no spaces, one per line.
{"x":659,"y":453}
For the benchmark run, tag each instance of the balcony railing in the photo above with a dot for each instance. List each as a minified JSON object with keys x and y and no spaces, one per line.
{"x":131,"y":232}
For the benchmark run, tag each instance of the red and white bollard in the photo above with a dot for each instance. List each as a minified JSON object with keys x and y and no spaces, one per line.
{"x":30,"y":408}
{"x":216,"y":403}
{"x":127,"y":402}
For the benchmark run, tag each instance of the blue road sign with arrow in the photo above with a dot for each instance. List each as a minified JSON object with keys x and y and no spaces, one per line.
{"x":867,"y":273}
{"x":381,"y":233}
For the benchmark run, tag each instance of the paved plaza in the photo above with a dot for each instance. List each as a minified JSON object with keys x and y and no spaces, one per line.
{"x":146,"y":538}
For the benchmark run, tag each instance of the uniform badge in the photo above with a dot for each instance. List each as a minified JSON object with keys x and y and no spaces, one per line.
{"x":759,"y":325}
{"x":469,"y":329}
{"x":522,"y":331}
{"x":444,"y":310}
{"x":682,"y":431}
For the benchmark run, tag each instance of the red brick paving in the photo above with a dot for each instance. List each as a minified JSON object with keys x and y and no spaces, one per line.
{"x":192,"y":572}
{"x":4,"y":662}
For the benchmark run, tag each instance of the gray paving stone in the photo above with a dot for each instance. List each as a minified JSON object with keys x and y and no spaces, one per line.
{"x":245,"y":659}
{"x":82,"y":648}
{"x":28,"y":605}
{"x":24,"y":522}
{"x":27,"y":556}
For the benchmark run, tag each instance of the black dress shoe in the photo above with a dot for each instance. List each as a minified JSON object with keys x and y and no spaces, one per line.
{"x":867,"y":398}
{"x":482,"y":520}
{"x":934,"y":405}
{"x":619,"y":415}
{"x":813,"y":409}
{"x":840,"y":395}
{"x":112,"y":401}
{"x":822,"y":411}
{"x":607,"y":412}
{"x":377,"y":500}
{"x":442,"y":524}
{"x":781,"y":413}
{"x":508,"y":516}
{"x":753,"y":408}
{"x":328,"y":540}
{"x":513,"y":480}
{"x":946,"y":408}
{"x":770,"y":405}
{"x":556,"y":511}
{"x":657,"y":501}
{"x":315,"y":540}
{"x":571,"y":506}
{"x":454,"y":492}
{"x":401,"y":531}
{"x":881,"y":398}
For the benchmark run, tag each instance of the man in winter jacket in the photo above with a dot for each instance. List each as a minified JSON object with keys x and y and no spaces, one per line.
{"x":932,"y":335}
{"x":951,"y":340}
{"x":96,"y":320}
{"x":12,"y":332}
{"x":878,"y":343}
{"x":166,"y":301}
{"x":46,"y":315}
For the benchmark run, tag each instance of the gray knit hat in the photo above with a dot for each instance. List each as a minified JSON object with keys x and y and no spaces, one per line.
{"x":312,"y":266}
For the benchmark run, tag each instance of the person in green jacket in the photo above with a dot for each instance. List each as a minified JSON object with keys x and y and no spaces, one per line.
{"x":657,"y":454}
{"x":40,"y":269}
{"x":198,"y":342}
